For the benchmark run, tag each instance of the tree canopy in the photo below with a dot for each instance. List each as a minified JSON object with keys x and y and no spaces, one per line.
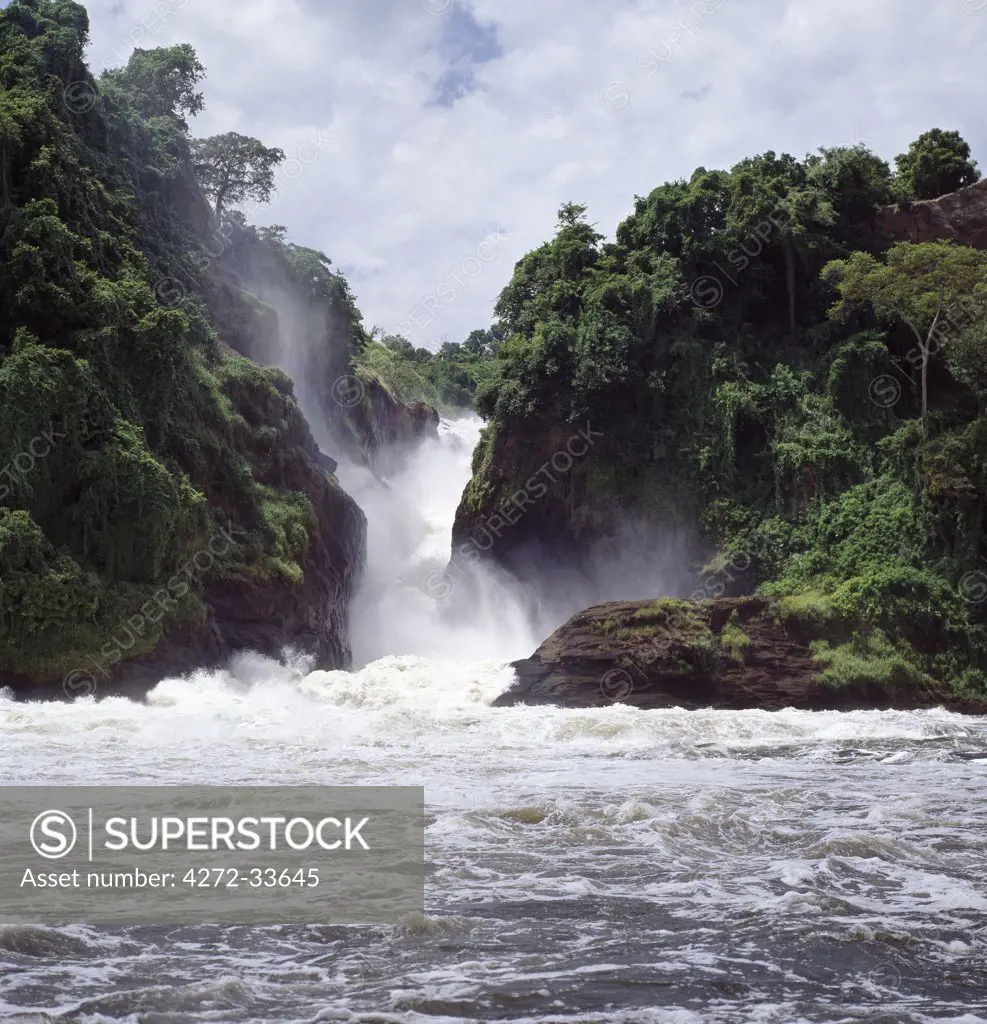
{"x":937,"y":162}
{"x":758,"y":360}
{"x":234,"y":168}
{"x":160,"y":82}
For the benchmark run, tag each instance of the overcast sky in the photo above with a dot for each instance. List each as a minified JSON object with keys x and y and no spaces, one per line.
{"x":431,"y":142}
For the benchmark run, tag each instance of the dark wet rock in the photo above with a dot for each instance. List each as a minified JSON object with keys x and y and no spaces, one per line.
{"x":378,"y":428}
{"x":729,"y":653}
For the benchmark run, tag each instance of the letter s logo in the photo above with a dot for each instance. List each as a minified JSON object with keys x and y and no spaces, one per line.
{"x":56,"y":826}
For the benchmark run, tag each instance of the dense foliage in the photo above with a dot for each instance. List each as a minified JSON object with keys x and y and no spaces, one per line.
{"x":129,"y":434}
{"x":448,"y":378}
{"x":937,"y":162}
{"x":758,"y":360}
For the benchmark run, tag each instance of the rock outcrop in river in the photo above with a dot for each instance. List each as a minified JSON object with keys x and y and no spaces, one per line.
{"x":742,"y":367}
{"x":731,"y":653}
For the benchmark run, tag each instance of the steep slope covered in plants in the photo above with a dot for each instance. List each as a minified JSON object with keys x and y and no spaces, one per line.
{"x":282,"y":304}
{"x":447,"y":378}
{"x":163,"y":501}
{"x":755,"y":355}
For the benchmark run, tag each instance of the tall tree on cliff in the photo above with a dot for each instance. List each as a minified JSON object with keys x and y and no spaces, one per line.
{"x":233,"y":168}
{"x":938,"y":289}
{"x":936,"y":163}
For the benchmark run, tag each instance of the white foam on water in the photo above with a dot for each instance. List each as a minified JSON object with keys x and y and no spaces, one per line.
{"x":765,"y":832}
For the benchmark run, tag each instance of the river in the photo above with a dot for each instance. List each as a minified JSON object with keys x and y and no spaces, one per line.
{"x":583,"y":865}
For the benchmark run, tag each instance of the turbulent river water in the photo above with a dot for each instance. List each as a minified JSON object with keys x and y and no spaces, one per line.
{"x":593,"y":865}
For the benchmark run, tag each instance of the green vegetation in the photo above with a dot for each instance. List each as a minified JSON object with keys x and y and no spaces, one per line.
{"x":751,"y":355}
{"x":810,"y":609}
{"x":671,"y":613}
{"x":936,"y":163}
{"x":671,"y":629}
{"x":447,"y":379}
{"x":734,"y":641}
{"x":868,"y":660}
{"x":757,"y":359}
{"x":130,"y":435}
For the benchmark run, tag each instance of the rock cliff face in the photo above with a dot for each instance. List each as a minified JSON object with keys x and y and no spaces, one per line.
{"x":245,"y":610}
{"x":377,"y":428}
{"x":530,"y":503}
{"x":262,"y":311}
{"x":266,"y":616}
{"x":310,"y":616}
{"x":731,"y":653}
{"x":959,"y":216}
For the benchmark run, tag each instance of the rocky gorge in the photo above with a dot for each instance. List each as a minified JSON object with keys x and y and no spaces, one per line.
{"x":745,"y":376}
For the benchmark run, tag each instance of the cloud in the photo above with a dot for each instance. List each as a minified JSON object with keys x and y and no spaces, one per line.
{"x":453,"y":121}
{"x":465,"y":45}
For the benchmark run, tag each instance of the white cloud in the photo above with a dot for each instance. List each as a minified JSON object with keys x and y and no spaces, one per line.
{"x":411,"y":187}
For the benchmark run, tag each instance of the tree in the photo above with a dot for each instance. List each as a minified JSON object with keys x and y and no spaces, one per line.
{"x":857,"y":184}
{"x":928,"y":287}
{"x":548,"y":280}
{"x":806,"y":213}
{"x":232,"y":168}
{"x":161,"y":82}
{"x":772,"y":195}
{"x":483,"y":342}
{"x":936,"y":163}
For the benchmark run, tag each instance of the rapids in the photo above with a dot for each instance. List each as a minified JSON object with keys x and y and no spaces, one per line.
{"x":591,"y":865}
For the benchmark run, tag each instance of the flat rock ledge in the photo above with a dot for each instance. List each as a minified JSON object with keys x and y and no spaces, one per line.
{"x":729,"y":653}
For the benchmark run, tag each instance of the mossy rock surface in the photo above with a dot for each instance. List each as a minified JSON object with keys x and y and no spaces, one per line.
{"x":727,"y":653}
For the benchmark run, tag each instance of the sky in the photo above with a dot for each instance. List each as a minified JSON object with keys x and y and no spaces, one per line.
{"x":430,"y":143}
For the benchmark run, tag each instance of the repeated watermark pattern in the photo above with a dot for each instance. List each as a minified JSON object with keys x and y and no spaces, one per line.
{"x":973,"y":585}
{"x":439,"y":584}
{"x":618,"y":94}
{"x":81,"y":682}
{"x":79,"y":97}
{"x":348,"y":391}
{"x":16,"y":473}
{"x":454,"y":284}
{"x":616,"y":685}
